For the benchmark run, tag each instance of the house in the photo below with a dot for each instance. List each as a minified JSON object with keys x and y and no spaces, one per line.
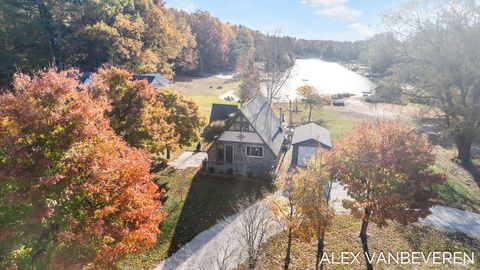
{"x":251,"y":142}
{"x":306,"y":141}
{"x":222,"y":112}
{"x":86,"y":78}
{"x":155,"y":79}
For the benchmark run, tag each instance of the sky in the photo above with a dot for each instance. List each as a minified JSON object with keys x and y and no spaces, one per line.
{"x":339,"y":20}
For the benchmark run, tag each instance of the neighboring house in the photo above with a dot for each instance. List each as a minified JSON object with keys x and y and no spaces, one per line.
{"x":86,"y":78}
{"x":222,"y":112}
{"x":306,"y":141}
{"x":155,"y":79}
{"x":251,"y":142}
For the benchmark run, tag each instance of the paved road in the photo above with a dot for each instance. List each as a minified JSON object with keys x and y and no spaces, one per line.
{"x":211,"y":246}
{"x":454,"y":220}
{"x":219,"y":247}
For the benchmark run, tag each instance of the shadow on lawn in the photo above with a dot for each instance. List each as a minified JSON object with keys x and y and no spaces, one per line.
{"x":210,"y":199}
{"x":474,"y":170}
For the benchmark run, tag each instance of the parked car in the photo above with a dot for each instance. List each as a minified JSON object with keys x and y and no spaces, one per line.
{"x":338,"y":102}
{"x":371,"y":99}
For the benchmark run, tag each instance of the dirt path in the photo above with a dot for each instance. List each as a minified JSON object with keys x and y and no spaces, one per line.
{"x":358,"y":108}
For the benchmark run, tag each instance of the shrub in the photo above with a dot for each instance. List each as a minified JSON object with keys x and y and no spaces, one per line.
{"x":215,"y":128}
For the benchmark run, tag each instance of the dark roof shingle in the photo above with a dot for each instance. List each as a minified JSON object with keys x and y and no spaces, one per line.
{"x":221,"y":112}
{"x":261,"y":116}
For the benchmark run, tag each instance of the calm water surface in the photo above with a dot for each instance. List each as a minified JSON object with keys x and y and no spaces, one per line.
{"x":328,"y":77}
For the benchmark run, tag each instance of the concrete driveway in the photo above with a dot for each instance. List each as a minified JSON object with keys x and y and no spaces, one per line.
{"x":188,"y":159}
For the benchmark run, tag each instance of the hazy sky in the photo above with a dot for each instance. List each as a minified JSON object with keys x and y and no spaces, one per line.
{"x":310,"y":19}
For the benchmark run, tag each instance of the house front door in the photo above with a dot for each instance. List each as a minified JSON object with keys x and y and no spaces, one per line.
{"x":229,"y":154}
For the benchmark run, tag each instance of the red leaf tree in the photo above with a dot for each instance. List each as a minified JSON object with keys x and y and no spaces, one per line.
{"x":72,"y":193}
{"x":386,"y":168}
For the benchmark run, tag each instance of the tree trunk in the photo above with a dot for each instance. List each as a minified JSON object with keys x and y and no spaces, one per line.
{"x":168,"y":152}
{"x":464,"y":145}
{"x":363,"y":237}
{"x":320,"y":246}
{"x":310,"y":114}
{"x":289,"y":250}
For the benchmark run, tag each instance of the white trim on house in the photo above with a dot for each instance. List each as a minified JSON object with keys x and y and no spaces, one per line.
{"x":241,"y":137}
{"x":256,"y":146}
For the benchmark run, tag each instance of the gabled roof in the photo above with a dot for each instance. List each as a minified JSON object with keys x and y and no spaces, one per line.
{"x":155,"y":79}
{"x":85,"y":76}
{"x":261,"y":116}
{"x":222,"y":111}
{"x":312,"y":131}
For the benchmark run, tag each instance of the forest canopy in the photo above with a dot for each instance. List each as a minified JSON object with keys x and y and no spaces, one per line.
{"x":139,"y":35}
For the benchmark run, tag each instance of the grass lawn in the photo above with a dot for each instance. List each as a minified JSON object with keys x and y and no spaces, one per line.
{"x":343,"y":236}
{"x":194,"y":202}
{"x":327,"y":116}
{"x":456,"y":193}
{"x":205,"y":90}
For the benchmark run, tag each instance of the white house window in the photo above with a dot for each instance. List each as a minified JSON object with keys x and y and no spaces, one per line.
{"x":254,"y":151}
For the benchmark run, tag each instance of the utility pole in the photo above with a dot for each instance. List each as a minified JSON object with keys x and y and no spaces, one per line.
{"x":290,"y":114}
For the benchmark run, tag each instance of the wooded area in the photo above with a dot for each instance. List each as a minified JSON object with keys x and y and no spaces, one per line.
{"x":141,"y":36}
{"x":430,"y":56}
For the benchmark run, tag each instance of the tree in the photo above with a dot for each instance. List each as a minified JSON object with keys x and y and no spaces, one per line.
{"x":381,"y":53}
{"x":303,"y":210}
{"x":138,"y":35}
{"x":187,"y":60}
{"x":212,"y":38}
{"x":241,"y":48}
{"x":316,"y":187}
{"x":286,"y":210}
{"x":185,"y":116}
{"x":387,"y":170}
{"x":311,"y":97}
{"x":72,"y":193}
{"x":135,"y":113}
{"x":250,"y":85}
{"x":278,"y":64}
{"x":440,"y":62}
{"x":254,"y":227}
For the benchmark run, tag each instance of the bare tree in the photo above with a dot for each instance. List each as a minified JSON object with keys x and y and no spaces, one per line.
{"x":254,"y":227}
{"x":439,"y":59}
{"x":224,"y":256}
{"x":277,"y":66}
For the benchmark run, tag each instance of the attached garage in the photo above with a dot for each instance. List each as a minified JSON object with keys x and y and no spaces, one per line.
{"x":306,"y":141}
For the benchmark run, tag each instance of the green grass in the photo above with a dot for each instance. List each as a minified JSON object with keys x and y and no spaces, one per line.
{"x":205,"y":91}
{"x":455,"y":193}
{"x":327,"y":116}
{"x":206,"y":101}
{"x":194,"y":202}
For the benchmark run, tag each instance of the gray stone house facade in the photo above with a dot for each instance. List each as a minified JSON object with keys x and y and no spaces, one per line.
{"x":251,"y":142}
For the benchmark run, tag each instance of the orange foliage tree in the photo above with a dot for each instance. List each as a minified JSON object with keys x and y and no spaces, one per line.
{"x":72,"y":193}
{"x":186,"y":117}
{"x":303,"y":210}
{"x":135,"y":112}
{"x":386,"y":168}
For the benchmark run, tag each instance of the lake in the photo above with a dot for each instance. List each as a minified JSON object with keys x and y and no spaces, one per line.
{"x":328,"y":77}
